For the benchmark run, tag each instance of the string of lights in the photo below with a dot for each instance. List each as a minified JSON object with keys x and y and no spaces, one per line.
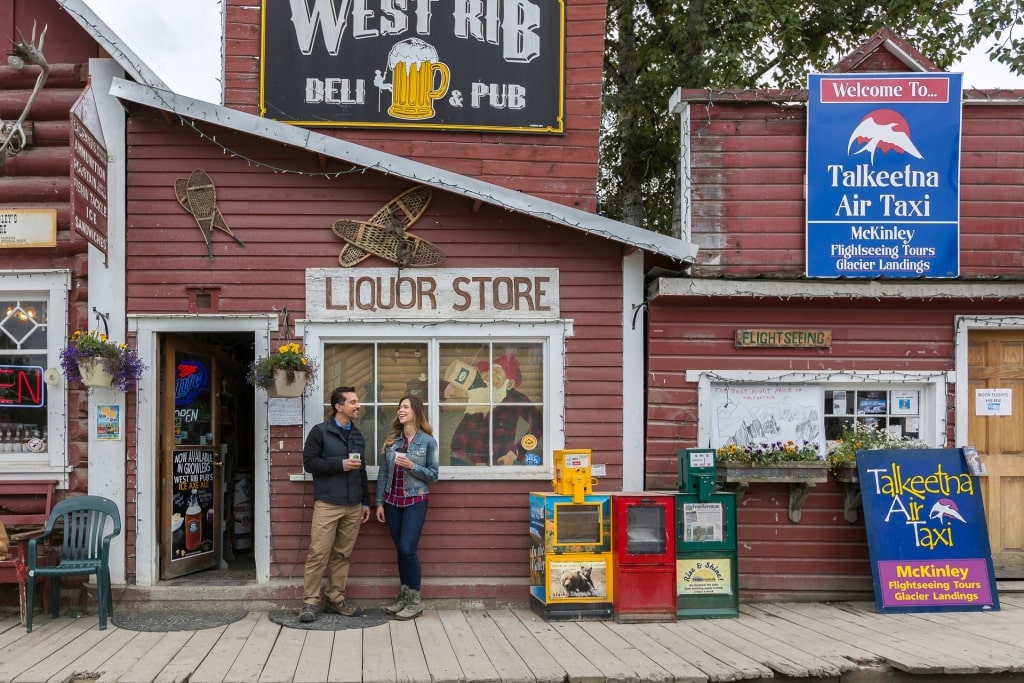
{"x":587,"y":223}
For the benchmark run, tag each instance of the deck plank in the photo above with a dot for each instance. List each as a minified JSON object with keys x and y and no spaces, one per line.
{"x":347,"y":664}
{"x":542,"y":665}
{"x":214,"y":668}
{"x":442,"y":662}
{"x":568,"y":657}
{"x":506,"y":659}
{"x":314,"y":663}
{"x":153,"y":661}
{"x":409,"y":647}
{"x":475,"y":663}
{"x":65,"y":656}
{"x":720,"y":663}
{"x":190,"y":656}
{"x":25,"y":654}
{"x":132,"y":651}
{"x":253,"y":655}
{"x":610,"y":666}
{"x":378,"y":655}
{"x":284,"y":657}
{"x":93,"y":660}
{"x":642,"y":637}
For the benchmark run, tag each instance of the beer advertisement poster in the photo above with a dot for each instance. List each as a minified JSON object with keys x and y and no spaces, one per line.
{"x":927,"y":537}
{"x":193,"y":516}
{"x":883,"y":175}
{"x":426,"y":64}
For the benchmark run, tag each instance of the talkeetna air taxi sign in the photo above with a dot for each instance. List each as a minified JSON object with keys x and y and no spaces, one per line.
{"x":883,"y":175}
{"x":927,"y":536}
{"x":495,"y":65}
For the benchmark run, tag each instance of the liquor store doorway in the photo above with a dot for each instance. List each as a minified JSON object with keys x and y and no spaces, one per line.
{"x":206,"y":457}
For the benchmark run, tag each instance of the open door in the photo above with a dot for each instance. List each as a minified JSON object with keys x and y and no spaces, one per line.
{"x":190,"y":461}
{"x":996,"y":361}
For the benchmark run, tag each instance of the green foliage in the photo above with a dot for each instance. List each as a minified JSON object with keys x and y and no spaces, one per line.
{"x":767,"y":453}
{"x":1004,"y":21}
{"x":654,"y":47}
{"x":861,"y":437}
{"x":289,"y":357}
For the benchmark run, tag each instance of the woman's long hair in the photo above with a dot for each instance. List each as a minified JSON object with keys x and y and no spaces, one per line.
{"x":419,"y":412}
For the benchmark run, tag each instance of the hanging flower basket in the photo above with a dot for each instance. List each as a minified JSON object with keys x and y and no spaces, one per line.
{"x":94,"y":374}
{"x":284,"y":387}
{"x":95,"y":361}
{"x":284,"y":373}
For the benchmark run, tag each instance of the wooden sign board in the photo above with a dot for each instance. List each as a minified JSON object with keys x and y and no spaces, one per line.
{"x":770,"y":338}
{"x":927,"y":536}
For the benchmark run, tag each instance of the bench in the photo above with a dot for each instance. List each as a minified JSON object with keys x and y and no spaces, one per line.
{"x":24,"y":508}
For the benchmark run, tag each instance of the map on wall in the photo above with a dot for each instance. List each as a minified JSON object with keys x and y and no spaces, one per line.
{"x":766,"y":413}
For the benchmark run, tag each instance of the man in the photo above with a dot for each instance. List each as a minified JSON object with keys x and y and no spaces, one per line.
{"x":333,"y":455}
{"x":469,"y":441}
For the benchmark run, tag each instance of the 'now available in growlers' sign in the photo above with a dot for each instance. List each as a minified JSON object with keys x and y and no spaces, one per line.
{"x":443,"y":64}
{"x":883,"y":175}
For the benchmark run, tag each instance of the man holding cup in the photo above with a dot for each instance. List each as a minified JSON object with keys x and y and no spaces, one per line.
{"x":333,"y":455}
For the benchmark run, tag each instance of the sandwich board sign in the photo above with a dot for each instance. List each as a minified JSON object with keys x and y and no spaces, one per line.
{"x":927,"y":536}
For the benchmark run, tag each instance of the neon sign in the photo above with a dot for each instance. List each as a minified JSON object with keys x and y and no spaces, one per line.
{"x":21,"y":386}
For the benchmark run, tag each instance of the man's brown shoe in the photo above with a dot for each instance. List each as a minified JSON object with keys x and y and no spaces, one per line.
{"x":344,"y":608}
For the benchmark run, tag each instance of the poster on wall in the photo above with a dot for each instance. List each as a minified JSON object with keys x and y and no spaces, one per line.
{"x":436,"y":65}
{"x":192,"y":519}
{"x":883,"y":175}
{"x":767,"y":413}
{"x":927,"y":536}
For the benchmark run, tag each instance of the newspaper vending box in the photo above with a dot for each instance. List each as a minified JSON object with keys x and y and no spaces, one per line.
{"x":644,"y":556}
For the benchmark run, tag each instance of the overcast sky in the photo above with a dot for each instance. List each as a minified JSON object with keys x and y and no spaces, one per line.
{"x":180,"y":41}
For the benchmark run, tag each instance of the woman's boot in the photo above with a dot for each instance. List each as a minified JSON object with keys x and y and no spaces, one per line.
{"x":413,"y":607}
{"x":399,"y":604}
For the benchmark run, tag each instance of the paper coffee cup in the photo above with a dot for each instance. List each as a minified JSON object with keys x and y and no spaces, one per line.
{"x":356,"y":456}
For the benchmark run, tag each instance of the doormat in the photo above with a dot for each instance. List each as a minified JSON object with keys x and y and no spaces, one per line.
{"x":331,"y":622}
{"x":175,"y":620}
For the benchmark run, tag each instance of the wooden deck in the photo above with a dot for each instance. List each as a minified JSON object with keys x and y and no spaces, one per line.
{"x":808,"y":641}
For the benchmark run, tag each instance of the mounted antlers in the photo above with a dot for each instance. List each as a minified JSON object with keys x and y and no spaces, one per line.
{"x":24,"y":53}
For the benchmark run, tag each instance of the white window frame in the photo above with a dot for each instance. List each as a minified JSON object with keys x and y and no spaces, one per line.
{"x":52,"y":285}
{"x":932,"y":385}
{"x":552,"y":334}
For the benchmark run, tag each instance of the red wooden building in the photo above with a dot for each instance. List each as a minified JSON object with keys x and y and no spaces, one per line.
{"x":229,"y":233}
{"x":745,"y":326}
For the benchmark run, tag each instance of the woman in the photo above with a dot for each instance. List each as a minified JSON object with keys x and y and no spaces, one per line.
{"x":410,"y":453}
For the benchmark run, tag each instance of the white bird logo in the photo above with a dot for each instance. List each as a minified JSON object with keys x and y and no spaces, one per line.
{"x":885,"y":129}
{"x":943,"y":508}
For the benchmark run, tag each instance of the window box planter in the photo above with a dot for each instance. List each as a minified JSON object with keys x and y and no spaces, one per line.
{"x":802,"y":477}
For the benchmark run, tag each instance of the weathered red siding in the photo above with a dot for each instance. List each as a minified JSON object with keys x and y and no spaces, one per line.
{"x":562,"y":168}
{"x":476,"y":538}
{"x":748,"y":164}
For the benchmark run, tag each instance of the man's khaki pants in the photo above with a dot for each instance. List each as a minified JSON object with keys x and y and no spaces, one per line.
{"x":334,"y":531}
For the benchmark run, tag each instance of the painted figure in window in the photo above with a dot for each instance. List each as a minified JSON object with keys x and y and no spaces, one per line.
{"x":516,"y":428}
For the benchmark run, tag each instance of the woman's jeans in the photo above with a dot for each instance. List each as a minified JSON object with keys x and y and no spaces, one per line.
{"x":406,"y":524}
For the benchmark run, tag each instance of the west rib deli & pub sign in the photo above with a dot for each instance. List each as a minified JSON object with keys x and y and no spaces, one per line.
{"x":444,"y":64}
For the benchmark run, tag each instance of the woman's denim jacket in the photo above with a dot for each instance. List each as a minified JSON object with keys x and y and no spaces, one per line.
{"x":423,"y":453}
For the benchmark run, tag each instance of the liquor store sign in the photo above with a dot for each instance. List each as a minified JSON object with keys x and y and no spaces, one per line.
{"x":436,"y":64}
{"x":432,"y":294}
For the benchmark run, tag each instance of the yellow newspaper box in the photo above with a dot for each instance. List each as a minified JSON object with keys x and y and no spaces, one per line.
{"x":573,"y":474}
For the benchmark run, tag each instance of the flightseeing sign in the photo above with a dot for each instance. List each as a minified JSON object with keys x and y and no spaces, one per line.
{"x":883,"y":175}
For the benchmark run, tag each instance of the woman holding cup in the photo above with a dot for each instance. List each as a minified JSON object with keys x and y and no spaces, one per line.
{"x":410,"y":463}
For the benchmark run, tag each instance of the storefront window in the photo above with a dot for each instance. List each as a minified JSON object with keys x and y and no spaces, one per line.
{"x":32,"y":410}
{"x":896,"y":411}
{"x":485,"y":400}
{"x":23,"y":419}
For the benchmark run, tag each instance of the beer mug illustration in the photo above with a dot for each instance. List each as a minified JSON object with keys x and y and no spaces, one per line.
{"x":414,"y":68}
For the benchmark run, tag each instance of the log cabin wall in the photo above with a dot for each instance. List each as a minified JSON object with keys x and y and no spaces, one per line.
{"x":562,"y":168}
{"x":38,"y":177}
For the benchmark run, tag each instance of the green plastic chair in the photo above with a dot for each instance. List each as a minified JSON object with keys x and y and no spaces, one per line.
{"x":85,"y":550}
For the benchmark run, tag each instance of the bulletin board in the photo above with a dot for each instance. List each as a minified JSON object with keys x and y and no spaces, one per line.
{"x":766,"y":413}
